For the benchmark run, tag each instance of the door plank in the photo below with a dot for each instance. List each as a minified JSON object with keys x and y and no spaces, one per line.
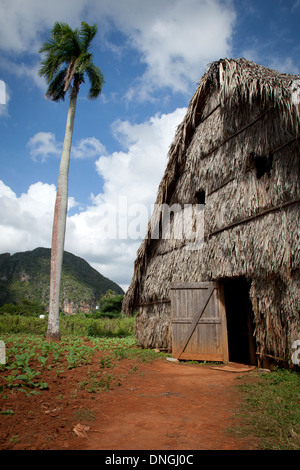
{"x":199,"y":335}
{"x":201,"y":357}
{"x":194,"y":322}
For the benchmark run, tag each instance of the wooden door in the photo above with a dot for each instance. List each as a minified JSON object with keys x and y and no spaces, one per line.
{"x":199,"y":330}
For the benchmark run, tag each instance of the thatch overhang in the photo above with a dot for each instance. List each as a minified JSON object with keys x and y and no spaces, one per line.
{"x":241,"y":112}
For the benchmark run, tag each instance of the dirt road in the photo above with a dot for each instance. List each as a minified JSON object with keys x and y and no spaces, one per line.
{"x":168,"y":406}
{"x":156,"y":406}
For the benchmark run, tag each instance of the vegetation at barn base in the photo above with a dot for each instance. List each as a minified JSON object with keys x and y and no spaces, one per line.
{"x":270,"y":409}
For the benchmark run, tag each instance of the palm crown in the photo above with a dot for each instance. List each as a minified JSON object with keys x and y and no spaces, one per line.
{"x":67,"y":60}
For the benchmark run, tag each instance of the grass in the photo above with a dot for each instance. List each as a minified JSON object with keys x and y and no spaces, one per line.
{"x":97,"y":382}
{"x":142,"y":355}
{"x":271,"y":409}
{"x":74,"y":325}
{"x":84,"y":415}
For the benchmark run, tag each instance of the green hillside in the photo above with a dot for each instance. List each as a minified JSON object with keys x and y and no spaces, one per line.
{"x":26,"y":275}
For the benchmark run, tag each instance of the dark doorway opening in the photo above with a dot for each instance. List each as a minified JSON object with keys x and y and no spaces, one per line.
{"x":240,"y":321}
{"x":200,"y":196}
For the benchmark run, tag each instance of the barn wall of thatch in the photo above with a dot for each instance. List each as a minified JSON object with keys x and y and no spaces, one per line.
{"x":238,"y":145}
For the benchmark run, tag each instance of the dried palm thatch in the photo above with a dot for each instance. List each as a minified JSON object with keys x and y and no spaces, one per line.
{"x":238,"y":146}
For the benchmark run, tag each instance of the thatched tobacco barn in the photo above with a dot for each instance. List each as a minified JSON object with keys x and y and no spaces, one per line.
{"x":232,"y":294}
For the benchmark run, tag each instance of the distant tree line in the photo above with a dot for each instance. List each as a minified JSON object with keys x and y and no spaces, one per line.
{"x":110,"y":306}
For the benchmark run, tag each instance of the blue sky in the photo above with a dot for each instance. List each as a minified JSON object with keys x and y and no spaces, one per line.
{"x":152,"y":55}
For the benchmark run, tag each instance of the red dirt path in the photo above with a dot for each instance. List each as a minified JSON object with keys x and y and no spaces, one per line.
{"x":172,"y":407}
{"x":158,"y":406}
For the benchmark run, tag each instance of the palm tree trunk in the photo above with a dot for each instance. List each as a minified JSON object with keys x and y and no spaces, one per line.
{"x":59,"y":226}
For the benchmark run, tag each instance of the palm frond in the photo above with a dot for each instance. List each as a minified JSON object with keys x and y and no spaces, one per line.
{"x":56,"y":89}
{"x":87,"y":34}
{"x":61,"y":31}
{"x":50,"y":65}
{"x":96,"y":79}
{"x":83,"y":61}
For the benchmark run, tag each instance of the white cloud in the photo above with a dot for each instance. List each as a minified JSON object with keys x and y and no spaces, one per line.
{"x":44,"y":145}
{"x":88,"y":148}
{"x":22,"y":23}
{"x":108,"y":232}
{"x":175,"y":39}
{"x":136,"y":172}
{"x":26,"y":220}
{"x":6,"y":192}
{"x":24,"y":26}
{"x":21,"y":70}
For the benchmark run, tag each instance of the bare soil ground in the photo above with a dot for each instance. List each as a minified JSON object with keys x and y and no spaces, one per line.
{"x":159,"y":405}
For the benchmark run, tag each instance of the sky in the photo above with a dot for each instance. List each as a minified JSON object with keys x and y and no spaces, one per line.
{"x":153,"y":55}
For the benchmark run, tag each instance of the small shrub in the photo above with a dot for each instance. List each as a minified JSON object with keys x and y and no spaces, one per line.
{"x":26,"y":308}
{"x":92,"y":329}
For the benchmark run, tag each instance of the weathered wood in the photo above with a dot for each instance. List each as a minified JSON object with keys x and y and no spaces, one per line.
{"x":202,"y":357}
{"x":192,"y":285}
{"x":198,"y":321}
{"x":202,"y":320}
{"x":194,"y":322}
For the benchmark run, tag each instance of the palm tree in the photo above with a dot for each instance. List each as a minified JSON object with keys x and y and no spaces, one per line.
{"x":66,"y":62}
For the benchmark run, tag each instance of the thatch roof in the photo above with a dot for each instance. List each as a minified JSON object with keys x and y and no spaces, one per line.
{"x":235,"y":87}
